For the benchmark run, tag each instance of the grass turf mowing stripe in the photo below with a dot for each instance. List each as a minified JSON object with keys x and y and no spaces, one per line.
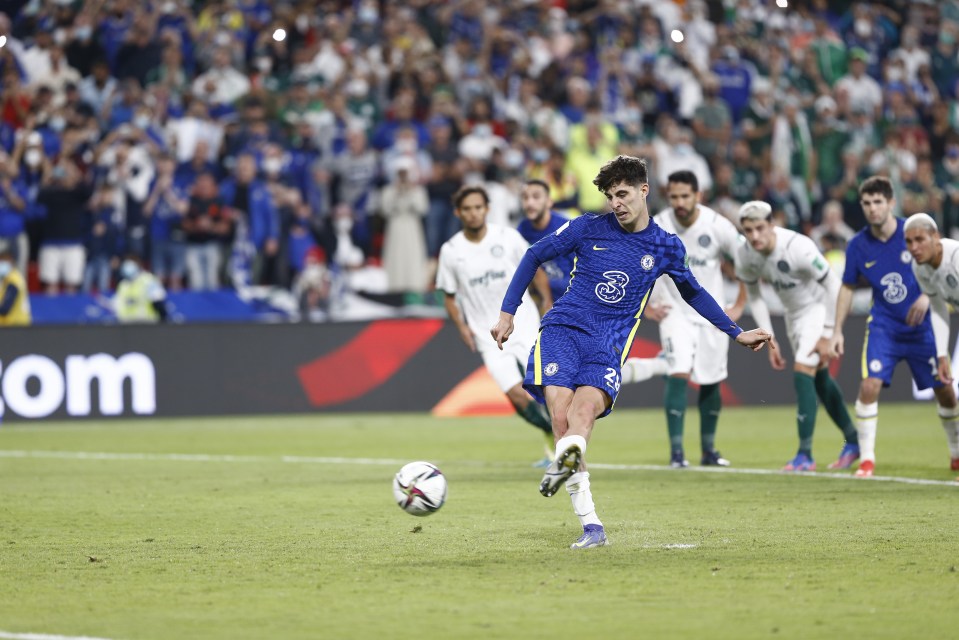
{"x":200,"y":457}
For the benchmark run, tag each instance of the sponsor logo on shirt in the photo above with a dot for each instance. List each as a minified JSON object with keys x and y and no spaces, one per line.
{"x":488,"y":277}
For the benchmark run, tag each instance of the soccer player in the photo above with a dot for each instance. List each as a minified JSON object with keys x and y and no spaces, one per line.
{"x":474,"y":269}
{"x":807,"y":289}
{"x":899,"y":327}
{"x":540,"y":221}
{"x":936,"y":267}
{"x":694,"y":349}
{"x":575,"y":364}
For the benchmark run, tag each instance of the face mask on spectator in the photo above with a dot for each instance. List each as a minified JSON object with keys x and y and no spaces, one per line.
{"x":273,"y":165}
{"x":483,"y":130}
{"x":5,"y":268}
{"x":129,"y":269}
{"x":142,"y":121}
{"x":342,"y":225}
{"x":57,"y":123}
{"x":168,"y":7}
{"x":33,"y":157}
{"x":406,"y":145}
{"x":540,"y":155}
{"x":83,"y":33}
{"x":863,"y":27}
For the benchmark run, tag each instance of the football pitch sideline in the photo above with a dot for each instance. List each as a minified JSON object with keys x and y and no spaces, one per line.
{"x":285,"y":527}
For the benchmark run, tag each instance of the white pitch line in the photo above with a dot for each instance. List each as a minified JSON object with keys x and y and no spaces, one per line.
{"x":9,"y":635}
{"x":773,"y":472}
{"x":203,"y":457}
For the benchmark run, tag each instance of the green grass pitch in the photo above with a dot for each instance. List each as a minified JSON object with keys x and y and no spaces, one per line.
{"x":285,"y":527}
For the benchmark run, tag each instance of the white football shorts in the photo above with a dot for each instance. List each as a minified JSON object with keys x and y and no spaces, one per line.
{"x":805,"y":328}
{"x":701,"y":350}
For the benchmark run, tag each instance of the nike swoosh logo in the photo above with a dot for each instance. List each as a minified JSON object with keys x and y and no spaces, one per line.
{"x":869,"y":264}
{"x":598,"y":248}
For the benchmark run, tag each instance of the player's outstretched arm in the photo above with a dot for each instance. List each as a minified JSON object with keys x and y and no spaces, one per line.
{"x":843,"y":305}
{"x":754,"y":339}
{"x":503,"y":328}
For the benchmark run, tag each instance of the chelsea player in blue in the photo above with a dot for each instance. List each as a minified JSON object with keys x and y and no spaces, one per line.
{"x":540,"y":221}
{"x":575,"y":364}
{"x":898,"y":327}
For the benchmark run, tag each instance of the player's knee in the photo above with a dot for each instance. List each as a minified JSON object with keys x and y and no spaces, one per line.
{"x":869,"y":390}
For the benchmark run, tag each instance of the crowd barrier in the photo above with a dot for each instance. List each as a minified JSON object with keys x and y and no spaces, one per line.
{"x":400,"y":365}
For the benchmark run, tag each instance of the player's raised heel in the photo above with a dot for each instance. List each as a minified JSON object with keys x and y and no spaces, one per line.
{"x":593,"y":536}
{"x":560,"y":469}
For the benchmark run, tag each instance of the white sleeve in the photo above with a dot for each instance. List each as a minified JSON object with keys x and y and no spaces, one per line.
{"x":810,"y":260}
{"x":924,"y":284}
{"x":445,"y":277}
{"x":832,"y":284}
{"x":940,"y":324}
{"x":758,"y":308}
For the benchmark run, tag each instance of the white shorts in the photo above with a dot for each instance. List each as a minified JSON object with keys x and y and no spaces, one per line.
{"x":804,"y":329}
{"x":507,"y":367}
{"x":62,"y":263}
{"x":701,"y":350}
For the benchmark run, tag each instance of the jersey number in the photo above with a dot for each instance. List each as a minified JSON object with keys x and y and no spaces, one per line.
{"x":895,"y":291}
{"x":612,"y":379}
{"x":614,"y":289}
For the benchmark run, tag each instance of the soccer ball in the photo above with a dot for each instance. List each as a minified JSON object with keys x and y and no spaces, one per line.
{"x":419,"y":488}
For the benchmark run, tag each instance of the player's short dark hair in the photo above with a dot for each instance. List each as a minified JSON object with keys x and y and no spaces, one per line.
{"x":684,"y":177}
{"x":539,"y":183}
{"x":877,"y":185}
{"x":628,"y":169}
{"x":469,"y":190}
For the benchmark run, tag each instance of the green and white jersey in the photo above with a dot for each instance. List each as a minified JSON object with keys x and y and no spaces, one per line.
{"x":943,"y":280}
{"x":707,"y":241}
{"x":478,"y":274}
{"x":795,"y":269}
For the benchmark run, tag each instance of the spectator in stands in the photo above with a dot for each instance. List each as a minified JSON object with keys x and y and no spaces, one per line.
{"x":97,"y":89}
{"x":712,"y":124}
{"x":254,"y":214}
{"x":13,"y":209}
{"x":221,"y":85}
{"x":140,"y":297}
{"x":445,"y":178}
{"x":832,"y":225}
{"x":14,"y":298}
{"x":104,"y":240}
{"x":82,"y":49}
{"x":64,"y":193}
{"x":353,"y":175}
{"x":404,"y":204}
{"x":164,"y":208}
{"x":207,"y":227}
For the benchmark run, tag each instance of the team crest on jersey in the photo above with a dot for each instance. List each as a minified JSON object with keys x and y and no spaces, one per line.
{"x":647,"y":262}
{"x":783,"y":266}
{"x":551,"y":369}
{"x":951,"y":281}
{"x":875,"y":366}
{"x":704,"y":241}
{"x":905,"y":257}
{"x":497,"y":250}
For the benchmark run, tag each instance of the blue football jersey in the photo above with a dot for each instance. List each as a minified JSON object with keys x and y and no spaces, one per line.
{"x":559,"y":268}
{"x":887,"y":267}
{"x":613,"y":273}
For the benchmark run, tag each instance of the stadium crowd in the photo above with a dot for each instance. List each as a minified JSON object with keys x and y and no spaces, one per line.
{"x":237,"y":142}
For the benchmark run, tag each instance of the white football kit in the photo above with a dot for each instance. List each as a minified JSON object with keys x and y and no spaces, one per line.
{"x":692,"y":345}
{"x":803,"y":282}
{"x":478,"y":274}
{"x":941,"y":284}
